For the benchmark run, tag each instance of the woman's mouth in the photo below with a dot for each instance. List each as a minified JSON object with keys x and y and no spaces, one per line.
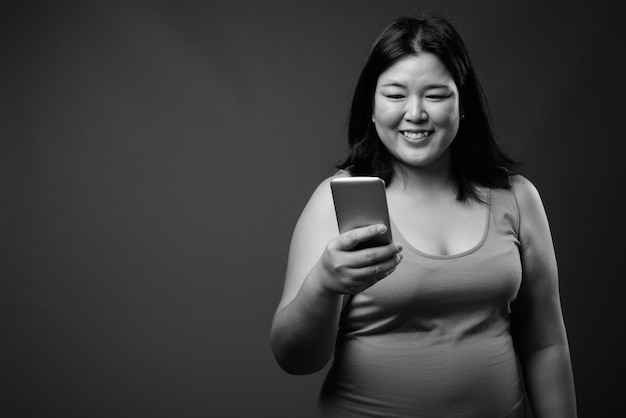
{"x":416,"y":135}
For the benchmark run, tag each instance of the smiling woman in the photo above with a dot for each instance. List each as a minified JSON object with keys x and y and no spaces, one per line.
{"x":416,"y":110}
{"x":435,"y":323}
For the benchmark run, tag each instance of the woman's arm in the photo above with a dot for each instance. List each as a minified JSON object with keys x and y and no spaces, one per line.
{"x":537,"y":321}
{"x":320,"y":270}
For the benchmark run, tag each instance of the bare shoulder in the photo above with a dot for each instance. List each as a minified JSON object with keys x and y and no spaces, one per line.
{"x":316,"y":226}
{"x":533,"y":218}
{"x":321,"y":201}
{"x":526,"y":194}
{"x":523,"y":188}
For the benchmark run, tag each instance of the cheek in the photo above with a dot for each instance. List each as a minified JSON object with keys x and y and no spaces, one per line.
{"x":445,"y":115}
{"x":387,"y":115}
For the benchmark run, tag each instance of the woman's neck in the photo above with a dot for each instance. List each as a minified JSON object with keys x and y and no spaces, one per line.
{"x":432,"y":181}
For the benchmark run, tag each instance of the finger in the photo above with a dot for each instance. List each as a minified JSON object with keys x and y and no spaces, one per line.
{"x":394,"y":264}
{"x":374,"y":255}
{"x":387,"y":267}
{"x":363,"y":277}
{"x":356,"y":236}
{"x":359,"y":286}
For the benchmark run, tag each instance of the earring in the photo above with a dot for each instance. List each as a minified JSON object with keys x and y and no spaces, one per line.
{"x":462,"y":116}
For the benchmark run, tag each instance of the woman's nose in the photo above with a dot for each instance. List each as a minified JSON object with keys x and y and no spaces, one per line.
{"x":414,"y":111}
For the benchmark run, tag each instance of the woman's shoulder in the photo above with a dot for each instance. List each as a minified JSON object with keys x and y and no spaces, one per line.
{"x":525,"y":191}
{"x":317,"y":223}
{"x":532,"y":214}
{"x":323,"y":189}
{"x":321,"y":203}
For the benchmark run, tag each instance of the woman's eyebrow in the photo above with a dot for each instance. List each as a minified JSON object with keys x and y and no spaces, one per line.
{"x":429,"y":86}
{"x":393,"y":84}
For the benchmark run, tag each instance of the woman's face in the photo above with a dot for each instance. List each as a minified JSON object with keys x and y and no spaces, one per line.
{"x":416,"y":110}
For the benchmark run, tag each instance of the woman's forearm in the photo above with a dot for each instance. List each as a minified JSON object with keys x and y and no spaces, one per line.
{"x":304,"y":332}
{"x":549,"y":382}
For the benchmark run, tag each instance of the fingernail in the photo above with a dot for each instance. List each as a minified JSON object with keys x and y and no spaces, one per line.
{"x":398,"y":246}
{"x":381,"y":229}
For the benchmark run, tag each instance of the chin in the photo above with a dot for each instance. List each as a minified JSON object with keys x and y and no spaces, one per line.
{"x":420,"y":161}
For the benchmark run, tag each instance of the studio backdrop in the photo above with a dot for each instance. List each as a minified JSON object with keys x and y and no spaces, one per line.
{"x":155,"y":156}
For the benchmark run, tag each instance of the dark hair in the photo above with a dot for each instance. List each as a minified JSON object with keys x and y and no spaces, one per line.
{"x":476,"y":157}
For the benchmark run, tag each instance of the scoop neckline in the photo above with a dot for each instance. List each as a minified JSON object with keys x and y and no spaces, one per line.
{"x":473,"y":249}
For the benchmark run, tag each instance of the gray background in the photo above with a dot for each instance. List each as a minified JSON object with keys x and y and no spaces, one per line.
{"x":154,"y":158}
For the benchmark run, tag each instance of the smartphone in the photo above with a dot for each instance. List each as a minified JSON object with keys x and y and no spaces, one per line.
{"x":361,"y":201}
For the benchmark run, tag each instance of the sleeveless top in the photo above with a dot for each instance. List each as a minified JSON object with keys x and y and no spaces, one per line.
{"x":432,"y":339}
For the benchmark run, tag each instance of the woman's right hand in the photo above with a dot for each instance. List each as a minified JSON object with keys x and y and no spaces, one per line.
{"x":344,"y":270}
{"x":321,"y":268}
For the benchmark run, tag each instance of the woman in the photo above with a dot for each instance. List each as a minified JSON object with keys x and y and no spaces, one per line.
{"x":461,"y":315}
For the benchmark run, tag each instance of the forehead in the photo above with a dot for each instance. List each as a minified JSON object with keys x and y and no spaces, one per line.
{"x":416,"y":70}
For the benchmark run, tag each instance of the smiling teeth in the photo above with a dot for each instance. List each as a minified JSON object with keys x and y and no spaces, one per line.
{"x":416,"y":135}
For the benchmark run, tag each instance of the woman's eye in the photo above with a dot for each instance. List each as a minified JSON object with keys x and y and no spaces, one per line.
{"x":395,"y":96}
{"x":437,"y":97}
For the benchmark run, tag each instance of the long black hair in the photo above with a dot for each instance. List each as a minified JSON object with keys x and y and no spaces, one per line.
{"x":476,"y":157}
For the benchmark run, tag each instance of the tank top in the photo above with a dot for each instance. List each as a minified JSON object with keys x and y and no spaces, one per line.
{"x":432,"y":339}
